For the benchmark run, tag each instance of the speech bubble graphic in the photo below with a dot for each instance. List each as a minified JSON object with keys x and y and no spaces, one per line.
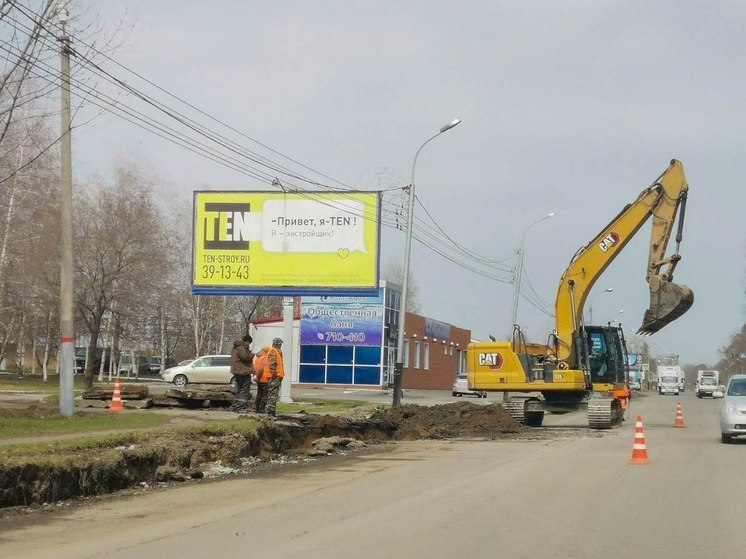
{"x":313,"y":226}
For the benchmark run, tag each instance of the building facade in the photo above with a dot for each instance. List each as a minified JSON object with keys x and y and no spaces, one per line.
{"x":351,"y":342}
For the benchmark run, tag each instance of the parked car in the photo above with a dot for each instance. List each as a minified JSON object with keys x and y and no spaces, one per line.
{"x":154,"y":364}
{"x":126,"y":366}
{"x":634,"y":385}
{"x":461,"y":387}
{"x":733,"y":409}
{"x":205,"y":369}
{"x":96,"y":355}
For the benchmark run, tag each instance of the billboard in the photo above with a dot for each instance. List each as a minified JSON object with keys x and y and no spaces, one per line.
{"x":285,"y":243}
{"x":331,"y":320}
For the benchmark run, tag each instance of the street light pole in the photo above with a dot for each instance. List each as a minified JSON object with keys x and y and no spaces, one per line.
{"x":399,"y":365}
{"x":590,"y":303}
{"x":520,"y":267}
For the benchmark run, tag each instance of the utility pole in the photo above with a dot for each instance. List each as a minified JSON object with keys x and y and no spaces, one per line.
{"x":66,"y":355}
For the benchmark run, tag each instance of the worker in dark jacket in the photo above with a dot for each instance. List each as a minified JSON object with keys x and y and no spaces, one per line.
{"x":242,"y":369}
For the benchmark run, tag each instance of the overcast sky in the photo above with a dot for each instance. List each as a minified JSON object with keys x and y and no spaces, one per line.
{"x":569,"y":107}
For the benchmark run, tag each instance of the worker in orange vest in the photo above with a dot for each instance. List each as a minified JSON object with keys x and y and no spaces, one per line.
{"x":276,"y":368}
{"x":262,"y":379}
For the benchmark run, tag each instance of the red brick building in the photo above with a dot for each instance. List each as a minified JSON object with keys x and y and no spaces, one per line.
{"x":434,"y":352}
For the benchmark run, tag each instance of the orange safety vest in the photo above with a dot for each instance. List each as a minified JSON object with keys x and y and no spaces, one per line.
{"x":260,"y":363}
{"x":280,"y":365}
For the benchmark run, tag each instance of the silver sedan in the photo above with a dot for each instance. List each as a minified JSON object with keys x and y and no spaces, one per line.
{"x":733,"y":409}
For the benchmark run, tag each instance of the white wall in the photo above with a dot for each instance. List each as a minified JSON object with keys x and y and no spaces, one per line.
{"x":264,"y":333}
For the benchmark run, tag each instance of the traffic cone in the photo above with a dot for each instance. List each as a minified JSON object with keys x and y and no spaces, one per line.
{"x":116,"y":397}
{"x":639,"y":450}
{"x":679,"y":416}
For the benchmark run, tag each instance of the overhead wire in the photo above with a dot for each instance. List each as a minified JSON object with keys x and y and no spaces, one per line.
{"x":420,"y":230}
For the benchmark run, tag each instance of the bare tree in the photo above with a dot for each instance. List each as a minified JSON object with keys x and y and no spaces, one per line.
{"x":118,"y":245}
{"x":394,"y":273}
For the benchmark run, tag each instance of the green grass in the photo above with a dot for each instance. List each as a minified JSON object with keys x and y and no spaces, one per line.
{"x":45,"y":423}
{"x":34,"y":383}
{"x":319,"y":405}
{"x":48,"y":422}
{"x":110,"y":440}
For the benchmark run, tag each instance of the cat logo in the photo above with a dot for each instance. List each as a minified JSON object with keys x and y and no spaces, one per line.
{"x":491,"y":360}
{"x":609,"y":241}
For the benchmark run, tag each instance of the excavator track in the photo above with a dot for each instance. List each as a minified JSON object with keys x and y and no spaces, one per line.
{"x":516,"y":407}
{"x":526,"y":410}
{"x":604,"y":413}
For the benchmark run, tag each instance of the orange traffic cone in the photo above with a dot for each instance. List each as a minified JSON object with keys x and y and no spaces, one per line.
{"x":639,"y":450}
{"x":116,"y":397}
{"x":679,"y":416}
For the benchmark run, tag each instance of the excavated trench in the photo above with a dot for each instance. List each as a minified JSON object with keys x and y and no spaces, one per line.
{"x":171,"y":457}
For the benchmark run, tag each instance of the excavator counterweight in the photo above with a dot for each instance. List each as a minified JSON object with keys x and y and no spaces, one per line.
{"x":668,"y":301}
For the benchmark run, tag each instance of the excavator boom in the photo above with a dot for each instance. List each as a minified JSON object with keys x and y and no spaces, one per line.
{"x":664,"y":200}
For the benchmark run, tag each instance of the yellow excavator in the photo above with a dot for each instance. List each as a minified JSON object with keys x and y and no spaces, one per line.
{"x":583,"y":365}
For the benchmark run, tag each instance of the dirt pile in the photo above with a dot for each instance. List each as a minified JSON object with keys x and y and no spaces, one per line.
{"x":137,"y":459}
{"x":460,"y":419}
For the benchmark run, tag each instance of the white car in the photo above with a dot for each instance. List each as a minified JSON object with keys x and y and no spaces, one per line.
{"x":707,"y":387}
{"x":461,"y":387}
{"x":733,"y":409}
{"x":206,"y":369}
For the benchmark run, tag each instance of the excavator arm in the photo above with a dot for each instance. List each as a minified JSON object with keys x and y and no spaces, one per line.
{"x":664,"y":200}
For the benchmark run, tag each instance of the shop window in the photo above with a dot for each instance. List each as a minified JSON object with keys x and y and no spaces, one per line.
{"x":367,"y":355}
{"x":311,"y":374}
{"x":337,"y":374}
{"x":312,"y":353}
{"x":339,"y":355}
{"x":367,"y":375}
{"x":416,"y":355}
{"x":426,"y":357}
{"x":450,"y":350}
{"x":406,"y":354}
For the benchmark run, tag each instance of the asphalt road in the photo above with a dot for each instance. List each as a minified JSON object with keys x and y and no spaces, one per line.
{"x":570,"y":495}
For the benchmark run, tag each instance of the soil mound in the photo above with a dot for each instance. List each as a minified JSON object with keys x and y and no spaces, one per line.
{"x":459,"y":419}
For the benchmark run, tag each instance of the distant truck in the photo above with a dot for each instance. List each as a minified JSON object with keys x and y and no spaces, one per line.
{"x":668,"y":383}
{"x":668,"y":371}
{"x":708,"y":383}
{"x":669,"y":365}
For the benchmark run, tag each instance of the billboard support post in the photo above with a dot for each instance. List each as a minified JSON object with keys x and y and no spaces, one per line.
{"x":288,"y":355}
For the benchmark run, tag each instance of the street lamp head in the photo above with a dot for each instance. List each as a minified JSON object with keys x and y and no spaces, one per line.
{"x":550,"y":214}
{"x":609,"y":290}
{"x":454,"y":122}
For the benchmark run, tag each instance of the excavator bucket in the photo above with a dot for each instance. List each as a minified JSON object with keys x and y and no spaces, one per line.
{"x":668,"y":301}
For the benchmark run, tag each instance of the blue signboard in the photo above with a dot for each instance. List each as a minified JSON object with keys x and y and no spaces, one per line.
{"x":342,"y":321}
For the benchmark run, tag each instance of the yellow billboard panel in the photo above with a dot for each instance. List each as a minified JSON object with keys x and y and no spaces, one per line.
{"x":275,"y":243}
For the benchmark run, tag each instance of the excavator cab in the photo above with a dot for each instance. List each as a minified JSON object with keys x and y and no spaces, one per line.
{"x":668,"y":301}
{"x":606,"y":356}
